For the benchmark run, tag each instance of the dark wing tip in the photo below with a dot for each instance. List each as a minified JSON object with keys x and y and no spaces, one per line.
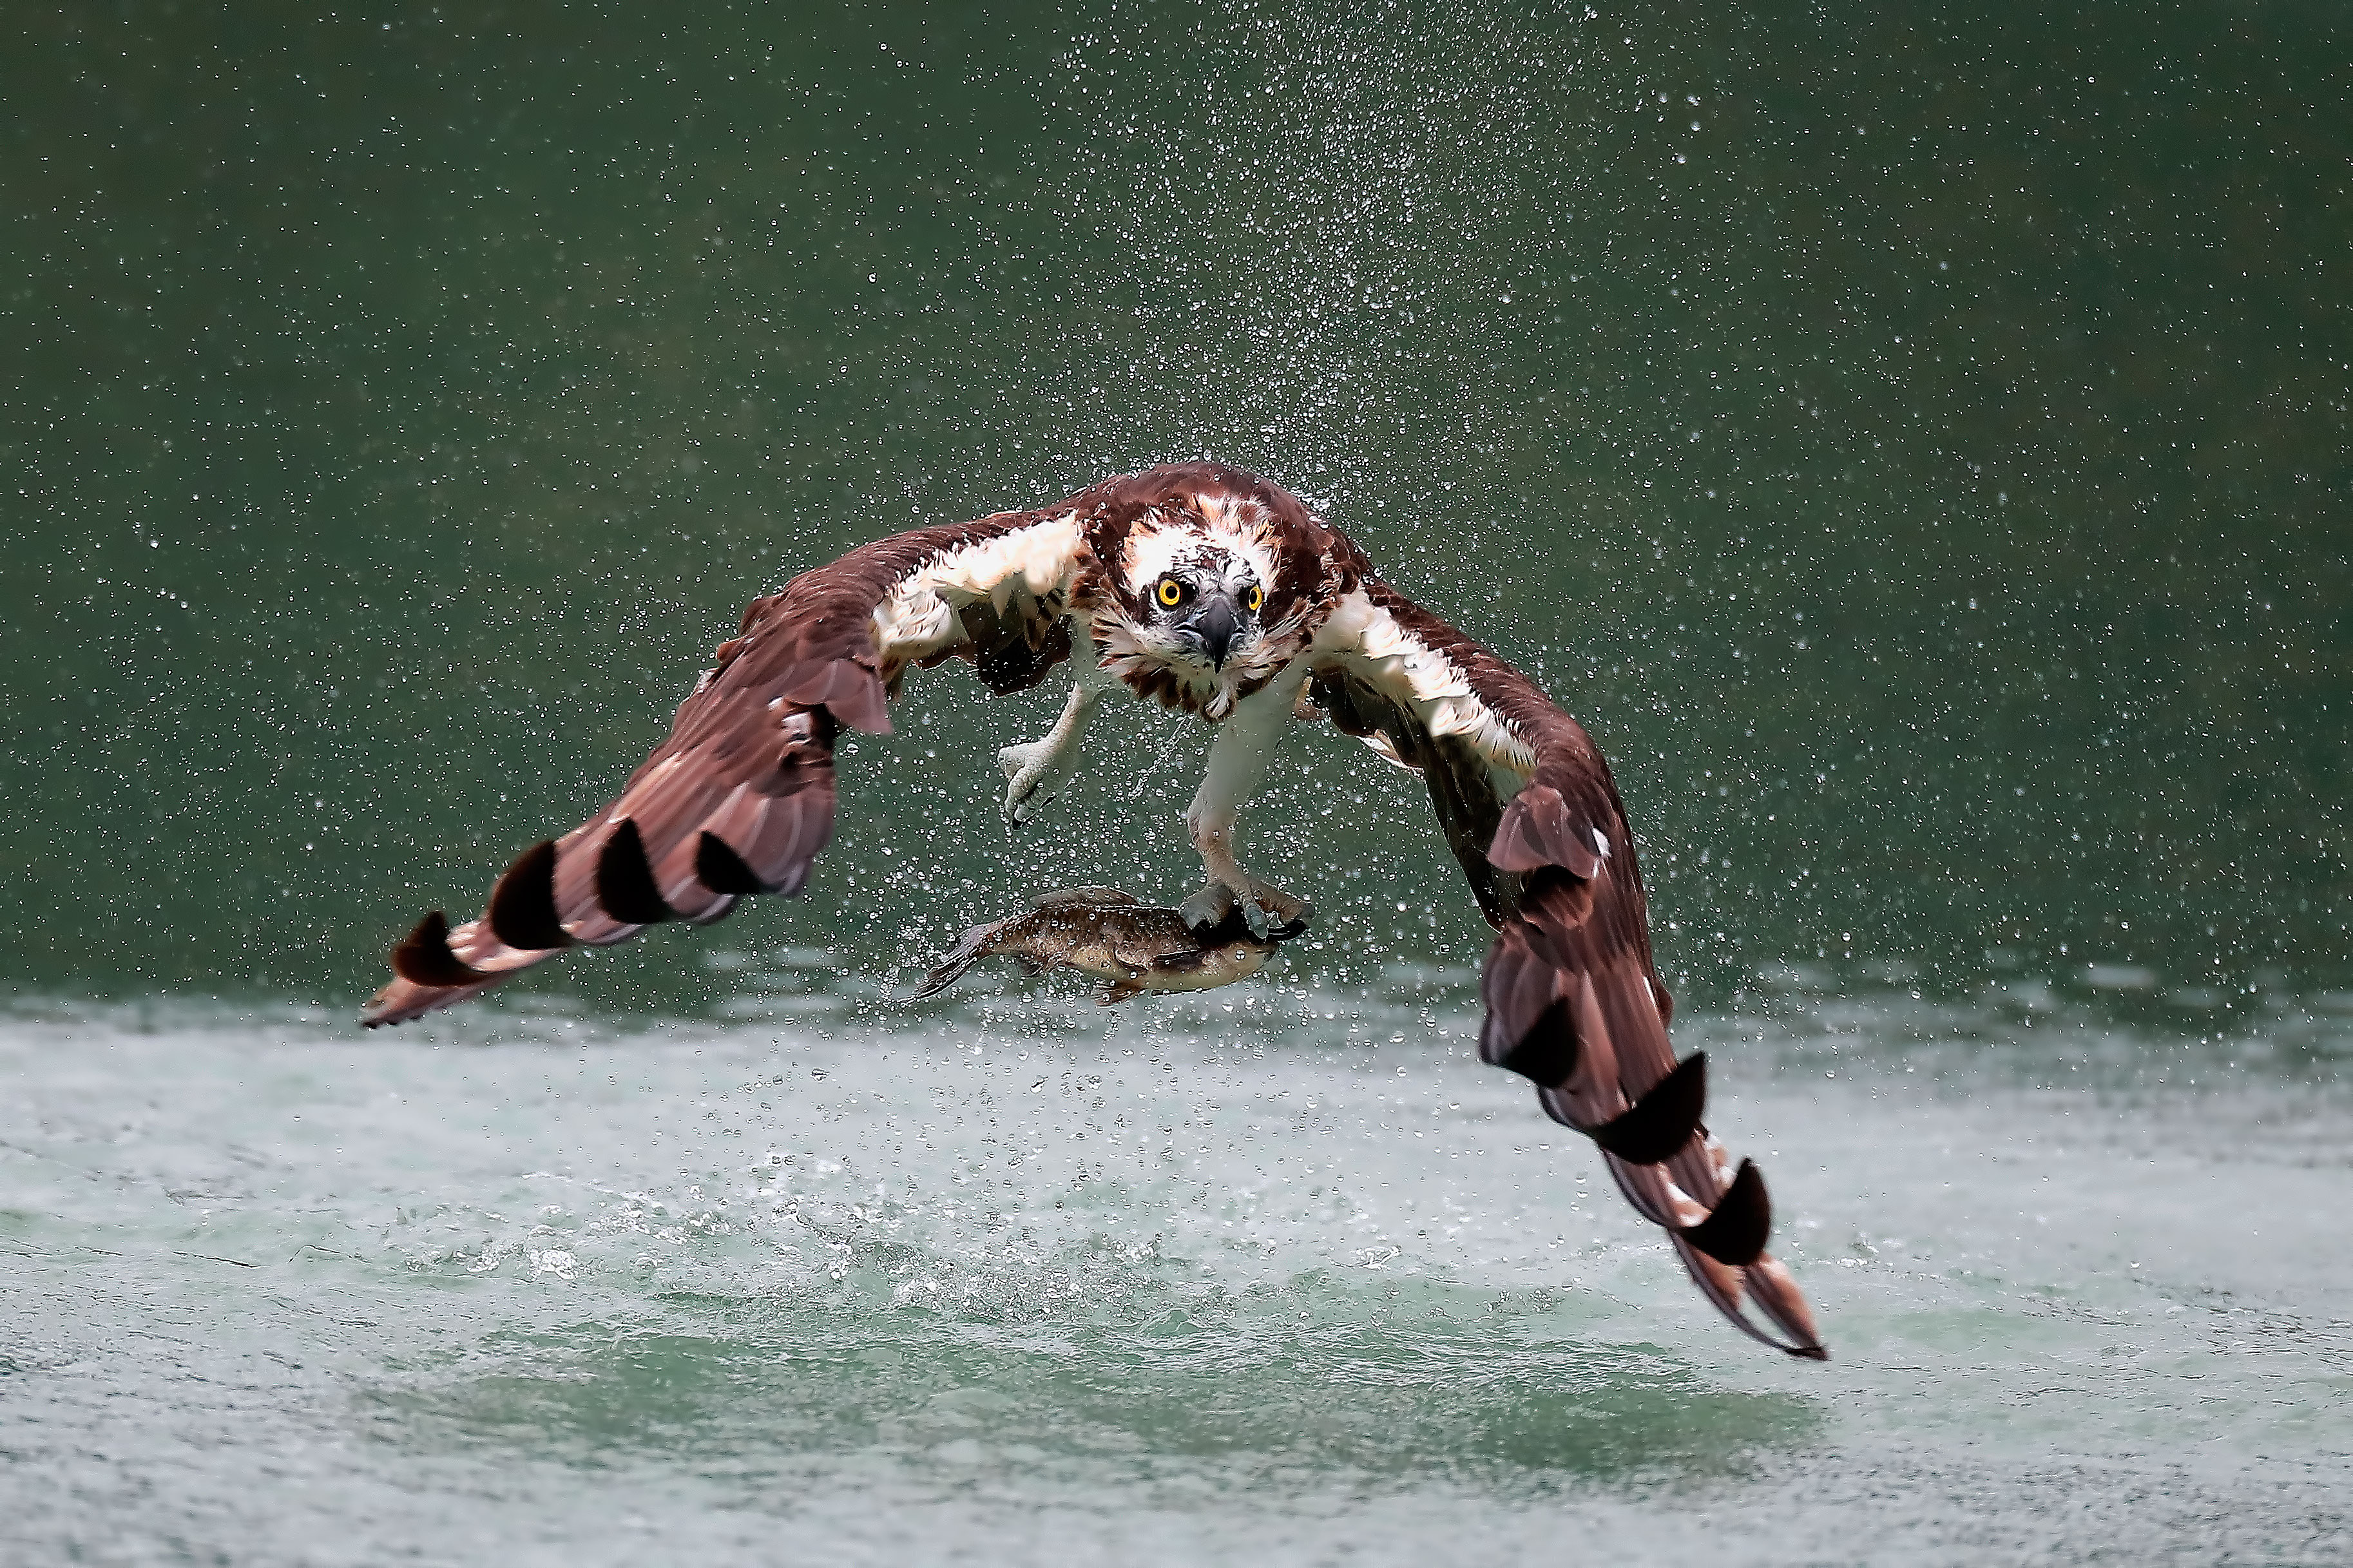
{"x":1547,"y":1053}
{"x":423,"y":957}
{"x":522,"y":906}
{"x":624,"y":880}
{"x":1662,"y":1123}
{"x":1735,"y":1230}
{"x":721,"y":869}
{"x":1807,"y":1353}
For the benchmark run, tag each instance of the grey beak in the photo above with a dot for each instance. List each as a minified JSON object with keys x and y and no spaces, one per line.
{"x":1214,"y":626}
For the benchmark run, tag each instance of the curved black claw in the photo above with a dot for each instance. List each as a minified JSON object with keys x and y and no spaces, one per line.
{"x":1295,"y":926}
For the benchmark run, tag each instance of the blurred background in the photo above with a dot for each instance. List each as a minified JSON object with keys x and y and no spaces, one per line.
{"x":1915,"y":440}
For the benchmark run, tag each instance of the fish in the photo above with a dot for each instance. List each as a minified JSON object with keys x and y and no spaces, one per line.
{"x":1131,"y":947}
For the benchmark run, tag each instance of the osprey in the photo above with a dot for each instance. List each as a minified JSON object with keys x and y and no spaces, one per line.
{"x":1206,"y":589}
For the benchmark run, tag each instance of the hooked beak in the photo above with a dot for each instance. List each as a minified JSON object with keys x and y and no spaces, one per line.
{"x":1212,"y":628}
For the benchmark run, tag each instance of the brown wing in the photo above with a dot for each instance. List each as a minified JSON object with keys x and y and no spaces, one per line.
{"x":739,"y":800}
{"x":1573,"y":997}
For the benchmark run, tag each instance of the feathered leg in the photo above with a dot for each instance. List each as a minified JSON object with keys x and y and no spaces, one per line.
{"x":1239,"y":759}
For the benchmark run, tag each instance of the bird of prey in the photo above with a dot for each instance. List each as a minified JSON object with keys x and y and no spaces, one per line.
{"x":1209,"y":589}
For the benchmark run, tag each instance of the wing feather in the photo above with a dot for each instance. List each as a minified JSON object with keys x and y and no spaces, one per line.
{"x":740,"y":799}
{"x":1572,"y":992}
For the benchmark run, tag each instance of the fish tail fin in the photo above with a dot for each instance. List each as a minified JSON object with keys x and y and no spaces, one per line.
{"x":971,"y":950}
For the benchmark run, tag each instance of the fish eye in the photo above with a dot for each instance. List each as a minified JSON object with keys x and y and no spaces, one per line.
{"x":1254,"y":598}
{"x":1171,"y":592}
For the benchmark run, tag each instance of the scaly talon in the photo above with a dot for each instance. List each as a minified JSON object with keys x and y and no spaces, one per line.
{"x":1029,"y":770}
{"x":1217,"y":913}
{"x":1035,"y":771}
{"x":1209,"y":909}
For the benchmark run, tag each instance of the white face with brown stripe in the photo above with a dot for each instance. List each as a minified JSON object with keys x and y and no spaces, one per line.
{"x":1200,"y":601}
{"x":1191,"y":623}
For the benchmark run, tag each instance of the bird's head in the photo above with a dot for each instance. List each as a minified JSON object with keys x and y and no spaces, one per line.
{"x":1204,"y":603}
{"x":1210,"y":582}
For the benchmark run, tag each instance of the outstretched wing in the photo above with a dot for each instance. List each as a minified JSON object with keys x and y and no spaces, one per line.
{"x":1573,"y":998}
{"x":739,"y":800}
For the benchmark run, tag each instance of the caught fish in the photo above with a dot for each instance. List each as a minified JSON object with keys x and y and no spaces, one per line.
{"x":1131,"y":947}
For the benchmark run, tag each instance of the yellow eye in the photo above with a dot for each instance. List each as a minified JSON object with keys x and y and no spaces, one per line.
{"x":1170,"y":591}
{"x":1256,"y":597}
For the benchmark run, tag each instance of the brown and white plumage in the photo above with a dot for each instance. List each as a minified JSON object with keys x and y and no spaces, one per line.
{"x":1216,"y":593}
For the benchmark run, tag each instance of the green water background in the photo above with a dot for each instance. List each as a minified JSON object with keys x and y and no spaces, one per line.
{"x":1914,"y":439}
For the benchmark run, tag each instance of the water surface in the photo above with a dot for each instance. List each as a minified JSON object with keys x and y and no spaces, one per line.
{"x":1194,"y":1284}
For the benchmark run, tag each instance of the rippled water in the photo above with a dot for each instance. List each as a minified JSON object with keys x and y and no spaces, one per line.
{"x":1289,"y":1276}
